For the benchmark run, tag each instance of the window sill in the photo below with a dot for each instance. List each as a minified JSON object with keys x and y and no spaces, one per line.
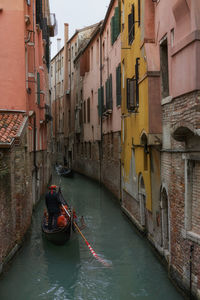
{"x":194,"y":237}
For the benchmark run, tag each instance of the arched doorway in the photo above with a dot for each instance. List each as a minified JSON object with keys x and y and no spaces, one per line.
{"x":165,"y":219}
{"x":142,"y":199}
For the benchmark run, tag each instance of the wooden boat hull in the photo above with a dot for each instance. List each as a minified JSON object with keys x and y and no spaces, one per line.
{"x":68,"y":173}
{"x":58,"y":236}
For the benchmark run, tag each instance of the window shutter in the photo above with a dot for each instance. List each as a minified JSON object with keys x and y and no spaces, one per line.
{"x":107,"y":93}
{"x":38,"y":88}
{"x":100,"y":100}
{"x":118,"y":85}
{"x":117,"y":24}
{"x":131,"y":25}
{"x":119,"y":5}
{"x":128,"y":93}
{"x":139,"y":12}
{"x":110,"y":93}
{"x":99,"y":103}
{"x":88,"y":110}
{"x":131,"y":93}
{"x":112,"y":30}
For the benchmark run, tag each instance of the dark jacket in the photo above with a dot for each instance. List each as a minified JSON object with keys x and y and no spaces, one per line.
{"x":53,"y":202}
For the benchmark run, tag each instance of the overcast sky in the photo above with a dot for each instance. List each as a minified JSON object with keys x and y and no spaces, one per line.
{"x":78,"y":14}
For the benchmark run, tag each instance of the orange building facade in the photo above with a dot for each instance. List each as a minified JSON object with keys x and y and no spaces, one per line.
{"x":25,"y":131}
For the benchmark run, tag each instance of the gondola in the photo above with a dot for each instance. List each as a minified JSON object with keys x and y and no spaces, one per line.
{"x":57,"y":236}
{"x":62,"y":233}
{"x":65,"y":172}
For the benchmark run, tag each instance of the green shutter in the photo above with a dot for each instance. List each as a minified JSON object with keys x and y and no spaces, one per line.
{"x":110,"y":93}
{"x":116,"y":23}
{"x":100,"y":100}
{"x":38,"y":88}
{"x":112,"y":30}
{"x":118,"y":85}
{"x":119,"y":5}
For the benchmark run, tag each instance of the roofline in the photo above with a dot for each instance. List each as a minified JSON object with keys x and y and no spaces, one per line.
{"x":80,"y":30}
{"x":94,"y":34}
{"x":12,"y":110}
{"x":107,"y":14}
{"x":57,"y":53}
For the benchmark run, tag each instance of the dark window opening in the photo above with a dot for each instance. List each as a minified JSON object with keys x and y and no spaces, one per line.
{"x":131,"y":25}
{"x":164,"y":69}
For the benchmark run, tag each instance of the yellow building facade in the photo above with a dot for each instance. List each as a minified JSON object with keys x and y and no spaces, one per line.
{"x":141,"y":114}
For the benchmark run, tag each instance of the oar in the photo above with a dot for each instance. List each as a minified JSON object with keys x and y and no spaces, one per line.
{"x":91,"y":250}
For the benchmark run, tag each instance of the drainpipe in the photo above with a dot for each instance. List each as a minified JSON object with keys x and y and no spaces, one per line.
{"x":191,"y":255}
{"x":101,"y":123}
{"x":32,"y":114}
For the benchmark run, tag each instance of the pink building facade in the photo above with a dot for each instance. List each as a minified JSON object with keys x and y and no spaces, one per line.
{"x":98,"y":134}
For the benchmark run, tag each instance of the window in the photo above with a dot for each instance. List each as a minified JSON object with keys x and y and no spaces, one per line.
{"x":192,"y":199}
{"x":172,"y":37}
{"x":131,"y":25}
{"x":139,"y":10}
{"x":133,"y":89}
{"x":28,"y":2}
{"x":164,"y":68}
{"x":131,"y":93}
{"x":91,"y":58}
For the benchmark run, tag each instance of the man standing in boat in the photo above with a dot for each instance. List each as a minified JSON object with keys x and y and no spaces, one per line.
{"x":53,"y":206}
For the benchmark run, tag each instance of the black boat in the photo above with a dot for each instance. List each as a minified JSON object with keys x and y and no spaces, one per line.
{"x":67,"y":172}
{"x":59,"y":235}
{"x":63,"y":171}
{"x":62,"y":233}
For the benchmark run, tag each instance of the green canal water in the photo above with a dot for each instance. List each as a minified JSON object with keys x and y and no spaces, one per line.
{"x":47,"y":272}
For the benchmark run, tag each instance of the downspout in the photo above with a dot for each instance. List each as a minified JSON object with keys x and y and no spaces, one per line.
{"x":34,"y":114}
{"x":34,"y":145}
{"x":101,"y":119}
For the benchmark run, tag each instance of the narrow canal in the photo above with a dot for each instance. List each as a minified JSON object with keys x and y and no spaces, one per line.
{"x":44,"y":271}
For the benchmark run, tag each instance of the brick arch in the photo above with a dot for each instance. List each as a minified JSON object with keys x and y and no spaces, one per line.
{"x":182,"y":130}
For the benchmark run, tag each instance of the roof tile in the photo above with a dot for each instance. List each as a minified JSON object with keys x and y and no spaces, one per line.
{"x":10,"y":124}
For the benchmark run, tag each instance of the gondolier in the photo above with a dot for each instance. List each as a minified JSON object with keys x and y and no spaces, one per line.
{"x":53,"y":206}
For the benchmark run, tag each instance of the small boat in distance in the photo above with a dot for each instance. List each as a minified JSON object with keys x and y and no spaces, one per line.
{"x":64,"y":171}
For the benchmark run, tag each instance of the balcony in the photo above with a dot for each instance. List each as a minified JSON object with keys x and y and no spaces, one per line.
{"x":52,"y":25}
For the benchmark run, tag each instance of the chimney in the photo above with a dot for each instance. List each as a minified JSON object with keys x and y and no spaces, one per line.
{"x":58,"y":44}
{"x":66,"y":34}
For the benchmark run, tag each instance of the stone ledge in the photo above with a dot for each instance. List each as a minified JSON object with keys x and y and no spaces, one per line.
{"x":131,"y":217}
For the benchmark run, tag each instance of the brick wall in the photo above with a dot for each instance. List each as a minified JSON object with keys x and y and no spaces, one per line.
{"x":15,"y":196}
{"x":183,"y":111}
{"x":87,"y":161}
